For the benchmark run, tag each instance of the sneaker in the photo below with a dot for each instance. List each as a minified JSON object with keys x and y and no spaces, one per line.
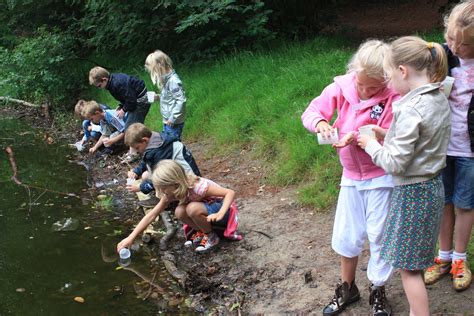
{"x":195,"y":239}
{"x":436,"y":271}
{"x":207,"y":242}
{"x":345,"y":295}
{"x":149,"y":203}
{"x":462,"y":276}
{"x":378,"y":301}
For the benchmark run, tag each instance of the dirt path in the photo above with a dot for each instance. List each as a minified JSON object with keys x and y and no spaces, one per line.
{"x":294,"y":269}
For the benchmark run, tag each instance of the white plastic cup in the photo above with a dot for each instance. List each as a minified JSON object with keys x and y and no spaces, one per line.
{"x":124,"y":254}
{"x":367,"y":130}
{"x":447,"y":85}
{"x":151,"y":96}
{"x":333,"y":138}
{"x":130,"y":181}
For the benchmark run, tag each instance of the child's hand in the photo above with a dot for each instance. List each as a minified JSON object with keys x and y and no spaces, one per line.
{"x":107,"y":142}
{"x":379,"y":132}
{"x":214,"y":217}
{"x":92,"y":150}
{"x":120,"y":112}
{"x":132,"y":175}
{"x":362,"y":140}
{"x":169,"y":123}
{"x":346,"y":140}
{"x":125,"y":243}
{"x":133,"y":187}
{"x":324,"y":128}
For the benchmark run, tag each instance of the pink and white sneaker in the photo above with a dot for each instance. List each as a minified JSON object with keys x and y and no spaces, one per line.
{"x":207,"y":242}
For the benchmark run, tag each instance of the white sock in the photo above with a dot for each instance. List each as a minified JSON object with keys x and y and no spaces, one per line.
{"x":459,"y":255}
{"x":445,"y":255}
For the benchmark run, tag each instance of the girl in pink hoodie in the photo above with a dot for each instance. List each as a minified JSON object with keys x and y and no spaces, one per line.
{"x":360,"y":97}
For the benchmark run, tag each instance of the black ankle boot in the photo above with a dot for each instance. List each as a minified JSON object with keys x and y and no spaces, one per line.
{"x":345,"y":295}
{"x":379,"y":302}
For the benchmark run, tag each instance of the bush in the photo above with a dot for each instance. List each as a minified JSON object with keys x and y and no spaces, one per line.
{"x":43,"y":69}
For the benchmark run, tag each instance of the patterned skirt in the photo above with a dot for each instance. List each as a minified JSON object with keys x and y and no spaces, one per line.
{"x":412,"y":225}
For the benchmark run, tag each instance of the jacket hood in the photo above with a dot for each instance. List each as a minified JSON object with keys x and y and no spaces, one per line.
{"x":349,"y":90}
{"x":155,"y":141}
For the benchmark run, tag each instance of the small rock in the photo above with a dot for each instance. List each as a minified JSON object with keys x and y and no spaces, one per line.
{"x":79,"y":299}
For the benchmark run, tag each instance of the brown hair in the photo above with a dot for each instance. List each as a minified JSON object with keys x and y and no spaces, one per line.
{"x":96,"y":75}
{"x":79,"y":108}
{"x":90,"y":108}
{"x":135,"y":133}
{"x":420,"y":55}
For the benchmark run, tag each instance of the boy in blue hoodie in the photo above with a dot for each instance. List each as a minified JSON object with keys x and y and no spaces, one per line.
{"x":155,"y":146}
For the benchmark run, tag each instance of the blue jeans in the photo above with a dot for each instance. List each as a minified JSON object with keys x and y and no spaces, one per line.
{"x":458,"y":181}
{"x":213,"y":208}
{"x":176,"y":130}
{"x":138,"y":115}
{"x":88,"y":134}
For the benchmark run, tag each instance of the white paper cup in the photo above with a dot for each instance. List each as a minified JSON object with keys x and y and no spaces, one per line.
{"x":334,"y":138}
{"x":367,"y":130}
{"x":151,"y":96}
{"x":447,"y":85}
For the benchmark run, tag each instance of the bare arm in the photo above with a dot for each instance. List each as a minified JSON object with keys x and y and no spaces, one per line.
{"x":143,"y":224}
{"x":228,"y":196}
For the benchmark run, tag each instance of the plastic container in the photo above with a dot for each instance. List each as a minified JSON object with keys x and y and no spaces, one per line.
{"x":151,"y":96}
{"x":130,"y":181}
{"x":334,"y":138}
{"x":367,"y":130}
{"x":125,"y":257}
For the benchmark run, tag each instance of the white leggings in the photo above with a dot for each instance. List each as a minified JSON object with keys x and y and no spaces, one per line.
{"x":361,"y":215}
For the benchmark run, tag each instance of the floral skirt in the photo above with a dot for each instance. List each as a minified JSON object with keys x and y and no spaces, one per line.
{"x":412,"y":225}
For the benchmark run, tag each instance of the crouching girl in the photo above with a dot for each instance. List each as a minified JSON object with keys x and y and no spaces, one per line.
{"x":203,"y":205}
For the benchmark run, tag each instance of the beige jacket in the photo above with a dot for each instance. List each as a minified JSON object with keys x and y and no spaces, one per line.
{"x":416,"y":143}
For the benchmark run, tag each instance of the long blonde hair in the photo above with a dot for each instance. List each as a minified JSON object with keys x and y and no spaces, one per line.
{"x":170,"y":173}
{"x":461,"y":17}
{"x":420,"y":55}
{"x":369,"y":59}
{"x":158,"y":64}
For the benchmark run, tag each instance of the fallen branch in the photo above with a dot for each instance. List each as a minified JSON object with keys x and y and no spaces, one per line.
{"x":170,"y":265}
{"x":11,"y":158}
{"x":22,"y":102}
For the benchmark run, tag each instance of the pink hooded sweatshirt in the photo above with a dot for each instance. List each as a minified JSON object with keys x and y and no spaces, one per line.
{"x":342,"y":96}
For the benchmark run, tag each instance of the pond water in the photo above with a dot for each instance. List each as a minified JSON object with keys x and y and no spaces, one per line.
{"x":42,"y":270}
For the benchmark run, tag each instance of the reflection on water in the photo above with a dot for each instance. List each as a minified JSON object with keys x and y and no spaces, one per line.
{"x":55,"y":247}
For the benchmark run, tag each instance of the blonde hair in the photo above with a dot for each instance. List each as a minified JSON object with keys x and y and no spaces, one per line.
{"x":170,"y":173}
{"x":420,"y":55}
{"x":78,"y":108}
{"x":90,"y":108}
{"x":461,"y":17}
{"x":96,"y":75}
{"x":135,"y":133}
{"x":369,"y":59}
{"x":158,"y":64}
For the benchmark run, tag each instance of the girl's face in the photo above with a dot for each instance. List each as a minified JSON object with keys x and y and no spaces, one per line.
{"x":168,"y":191}
{"x":396,"y":79}
{"x":461,"y":42}
{"x":367,"y":87}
